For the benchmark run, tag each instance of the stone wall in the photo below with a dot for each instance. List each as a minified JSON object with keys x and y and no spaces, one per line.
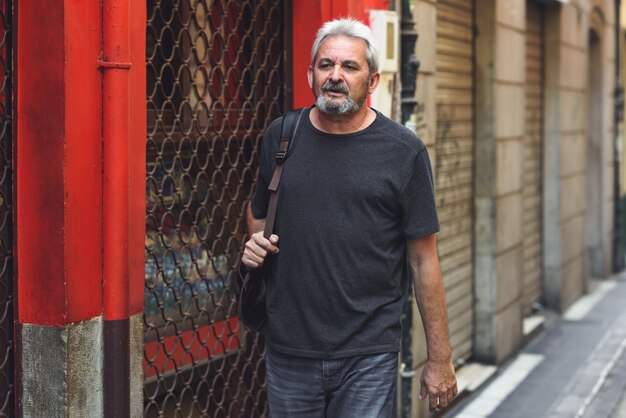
{"x":577,"y":153}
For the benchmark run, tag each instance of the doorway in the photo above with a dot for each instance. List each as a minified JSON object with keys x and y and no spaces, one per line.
{"x":595,"y":257}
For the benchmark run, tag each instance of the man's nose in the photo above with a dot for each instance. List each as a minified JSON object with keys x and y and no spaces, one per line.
{"x":336,"y":74}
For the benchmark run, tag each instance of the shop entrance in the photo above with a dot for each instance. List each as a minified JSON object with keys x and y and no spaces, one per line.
{"x":454,"y":165}
{"x":533,"y":158}
{"x":595,"y":109}
{"x":7,"y":371}
{"x":214,"y":83}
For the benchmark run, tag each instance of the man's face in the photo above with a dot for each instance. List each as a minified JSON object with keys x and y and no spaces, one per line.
{"x":340,"y":77}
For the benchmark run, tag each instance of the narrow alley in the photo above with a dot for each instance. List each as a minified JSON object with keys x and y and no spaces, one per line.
{"x":575,"y":368}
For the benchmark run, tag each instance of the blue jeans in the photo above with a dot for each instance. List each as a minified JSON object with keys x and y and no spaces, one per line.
{"x":357,"y":386}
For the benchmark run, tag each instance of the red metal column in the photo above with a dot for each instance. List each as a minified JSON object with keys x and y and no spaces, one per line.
{"x":116,"y":134}
{"x":58,"y":163}
{"x":308,"y":16}
{"x":137,"y":169}
{"x":124,"y":130}
{"x":58,"y":195}
{"x":79,"y":193}
{"x":137,"y":199}
{"x":123,"y":211}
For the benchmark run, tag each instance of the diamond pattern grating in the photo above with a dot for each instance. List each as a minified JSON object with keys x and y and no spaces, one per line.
{"x":214,"y":83}
{"x":7,"y":376}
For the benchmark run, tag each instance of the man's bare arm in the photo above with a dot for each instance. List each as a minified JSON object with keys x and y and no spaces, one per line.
{"x":254,"y":224}
{"x":257,"y":247}
{"x":438,"y":378}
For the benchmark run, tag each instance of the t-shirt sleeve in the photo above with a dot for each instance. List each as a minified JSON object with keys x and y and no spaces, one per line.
{"x":269,"y":146}
{"x":419,"y":208}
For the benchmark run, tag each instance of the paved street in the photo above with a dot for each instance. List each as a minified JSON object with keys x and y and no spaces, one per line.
{"x":575,"y":368}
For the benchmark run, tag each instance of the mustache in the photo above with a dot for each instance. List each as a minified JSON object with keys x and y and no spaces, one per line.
{"x":335,"y":87}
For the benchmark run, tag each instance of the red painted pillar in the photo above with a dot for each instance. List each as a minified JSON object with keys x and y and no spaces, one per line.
{"x":124,"y":130}
{"x":308,"y":16}
{"x":137,"y":199}
{"x":137,"y":161}
{"x":79,"y":193}
{"x":116,"y":67}
{"x":58,"y":200}
{"x":58,"y":163}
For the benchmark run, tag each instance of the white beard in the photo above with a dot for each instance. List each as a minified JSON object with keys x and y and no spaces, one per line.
{"x":347,"y":106}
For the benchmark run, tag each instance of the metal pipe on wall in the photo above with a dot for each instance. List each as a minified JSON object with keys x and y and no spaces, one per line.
{"x":409,"y":67}
{"x":115,"y":65}
{"x":618,"y":252}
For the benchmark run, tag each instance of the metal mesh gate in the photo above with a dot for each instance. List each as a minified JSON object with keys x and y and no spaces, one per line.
{"x":214,"y":83}
{"x":7,"y":388}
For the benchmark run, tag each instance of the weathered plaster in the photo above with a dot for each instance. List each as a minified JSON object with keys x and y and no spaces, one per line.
{"x":62,"y":370}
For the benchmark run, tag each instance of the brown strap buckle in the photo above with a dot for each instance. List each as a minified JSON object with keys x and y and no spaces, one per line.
{"x":280,"y":157}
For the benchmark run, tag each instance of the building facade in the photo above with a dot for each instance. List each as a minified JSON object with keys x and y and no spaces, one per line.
{"x":130,"y":141}
{"x":517,"y":105}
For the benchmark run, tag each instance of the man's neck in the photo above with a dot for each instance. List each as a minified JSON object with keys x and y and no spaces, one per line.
{"x":342,"y":124}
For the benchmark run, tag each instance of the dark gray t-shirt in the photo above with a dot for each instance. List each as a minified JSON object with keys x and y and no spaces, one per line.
{"x":347,"y":205}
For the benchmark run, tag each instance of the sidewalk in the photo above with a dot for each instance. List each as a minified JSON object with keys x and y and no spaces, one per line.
{"x":576,"y":368}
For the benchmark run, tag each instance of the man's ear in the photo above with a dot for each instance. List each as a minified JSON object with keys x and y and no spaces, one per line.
{"x":374,"y":80}
{"x":310,"y":76}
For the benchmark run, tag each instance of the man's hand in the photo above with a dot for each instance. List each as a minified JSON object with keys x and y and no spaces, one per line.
{"x":257,"y":248}
{"x":439,"y":384}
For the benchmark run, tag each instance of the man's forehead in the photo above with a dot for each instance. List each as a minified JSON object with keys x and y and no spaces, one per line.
{"x":331,"y":59}
{"x":351,"y":44}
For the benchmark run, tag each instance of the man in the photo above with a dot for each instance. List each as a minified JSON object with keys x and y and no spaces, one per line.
{"x":356,"y":220}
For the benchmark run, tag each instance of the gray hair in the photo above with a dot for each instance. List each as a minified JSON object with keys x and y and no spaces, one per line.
{"x":348,"y":27}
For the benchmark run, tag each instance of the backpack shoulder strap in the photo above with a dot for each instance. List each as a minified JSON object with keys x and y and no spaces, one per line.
{"x":291,"y":120}
{"x":289,"y":128}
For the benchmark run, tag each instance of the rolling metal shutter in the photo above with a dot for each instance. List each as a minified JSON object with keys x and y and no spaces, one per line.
{"x":454,"y":159}
{"x":532,"y":157}
{"x":7,"y":209}
{"x":215,"y":72}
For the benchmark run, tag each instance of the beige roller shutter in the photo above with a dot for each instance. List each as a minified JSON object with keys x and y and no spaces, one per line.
{"x":533,"y":156}
{"x":454,"y":159}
